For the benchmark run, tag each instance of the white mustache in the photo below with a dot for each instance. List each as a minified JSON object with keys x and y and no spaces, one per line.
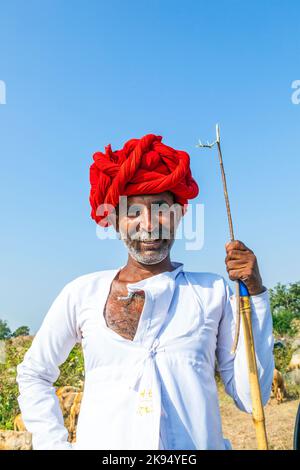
{"x":145,"y":236}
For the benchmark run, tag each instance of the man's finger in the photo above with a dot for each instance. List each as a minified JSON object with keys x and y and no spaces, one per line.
{"x":236,"y":245}
{"x":235,"y":274}
{"x":235,"y":254}
{"x":236,"y":264}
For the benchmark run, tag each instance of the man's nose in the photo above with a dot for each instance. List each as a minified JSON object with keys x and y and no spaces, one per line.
{"x":146,"y":223}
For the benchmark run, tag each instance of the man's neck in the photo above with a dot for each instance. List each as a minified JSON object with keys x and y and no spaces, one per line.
{"x":135,"y":271}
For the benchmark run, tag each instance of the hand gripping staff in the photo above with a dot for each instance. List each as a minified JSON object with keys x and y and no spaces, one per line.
{"x":243,"y":309}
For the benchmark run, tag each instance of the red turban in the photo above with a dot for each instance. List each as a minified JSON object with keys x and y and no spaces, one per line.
{"x":142,"y":166}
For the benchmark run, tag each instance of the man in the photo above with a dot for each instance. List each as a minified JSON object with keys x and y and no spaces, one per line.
{"x":150,"y":330}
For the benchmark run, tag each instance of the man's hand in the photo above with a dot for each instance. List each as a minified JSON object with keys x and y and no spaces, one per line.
{"x":241,"y":264}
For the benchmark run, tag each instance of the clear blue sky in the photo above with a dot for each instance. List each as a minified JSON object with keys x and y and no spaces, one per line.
{"x":80,"y":75}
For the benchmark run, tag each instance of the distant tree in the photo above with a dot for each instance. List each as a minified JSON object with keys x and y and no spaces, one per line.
{"x":286,"y":297}
{"x":5,"y":332}
{"x":21,"y":331}
{"x":285,"y":306}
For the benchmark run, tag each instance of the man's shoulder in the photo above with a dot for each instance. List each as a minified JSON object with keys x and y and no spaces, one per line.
{"x":206,"y":279}
{"x":210,"y":287}
{"x":90,"y":279}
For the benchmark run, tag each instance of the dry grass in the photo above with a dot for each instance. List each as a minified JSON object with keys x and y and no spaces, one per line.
{"x":238,"y":426}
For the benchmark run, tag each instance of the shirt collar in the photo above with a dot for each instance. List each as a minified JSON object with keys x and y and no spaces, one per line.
{"x":165,"y":275}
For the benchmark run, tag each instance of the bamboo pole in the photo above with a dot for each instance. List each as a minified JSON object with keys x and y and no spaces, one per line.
{"x":258,"y":415}
{"x":243,"y":309}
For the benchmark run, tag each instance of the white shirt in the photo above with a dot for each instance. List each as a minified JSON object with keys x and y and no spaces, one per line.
{"x":157,"y":391}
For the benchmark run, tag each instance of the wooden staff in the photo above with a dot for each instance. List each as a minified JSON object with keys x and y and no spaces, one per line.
{"x":243,"y":309}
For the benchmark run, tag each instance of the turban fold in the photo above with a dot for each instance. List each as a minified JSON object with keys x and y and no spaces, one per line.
{"x":142,"y":166}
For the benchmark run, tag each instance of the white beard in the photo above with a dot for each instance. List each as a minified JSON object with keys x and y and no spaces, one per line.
{"x":152,"y":257}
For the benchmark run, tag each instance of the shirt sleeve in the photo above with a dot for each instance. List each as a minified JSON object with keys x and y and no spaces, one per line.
{"x":39,"y":369}
{"x":233,"y":368}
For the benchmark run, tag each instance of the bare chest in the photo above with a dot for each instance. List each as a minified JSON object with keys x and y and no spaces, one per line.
{"x":123,"y":315}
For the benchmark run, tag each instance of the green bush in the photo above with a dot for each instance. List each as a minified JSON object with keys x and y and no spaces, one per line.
{"x":72,"y":370}
{"x":282,"y":357}
{"x":285,"y":307}
{"x":282,"y":323}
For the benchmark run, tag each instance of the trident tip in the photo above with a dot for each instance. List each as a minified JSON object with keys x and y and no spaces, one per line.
{"x":218,"y":132}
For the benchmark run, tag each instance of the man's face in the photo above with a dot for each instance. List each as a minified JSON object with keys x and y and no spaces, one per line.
{"x":148,"y":226}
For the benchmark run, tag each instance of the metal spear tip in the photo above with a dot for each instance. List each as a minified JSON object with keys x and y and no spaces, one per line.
{"x":199,"y":144}
{"x":218,"y":132}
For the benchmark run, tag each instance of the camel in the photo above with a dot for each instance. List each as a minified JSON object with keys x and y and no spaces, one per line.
{"x":74,"y":416}
{"x":278,"y":387}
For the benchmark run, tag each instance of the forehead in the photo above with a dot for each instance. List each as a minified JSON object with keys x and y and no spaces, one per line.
{"x":146,"y":199}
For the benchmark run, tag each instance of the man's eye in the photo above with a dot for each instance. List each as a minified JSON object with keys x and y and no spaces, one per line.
{"x":133,"y":211}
